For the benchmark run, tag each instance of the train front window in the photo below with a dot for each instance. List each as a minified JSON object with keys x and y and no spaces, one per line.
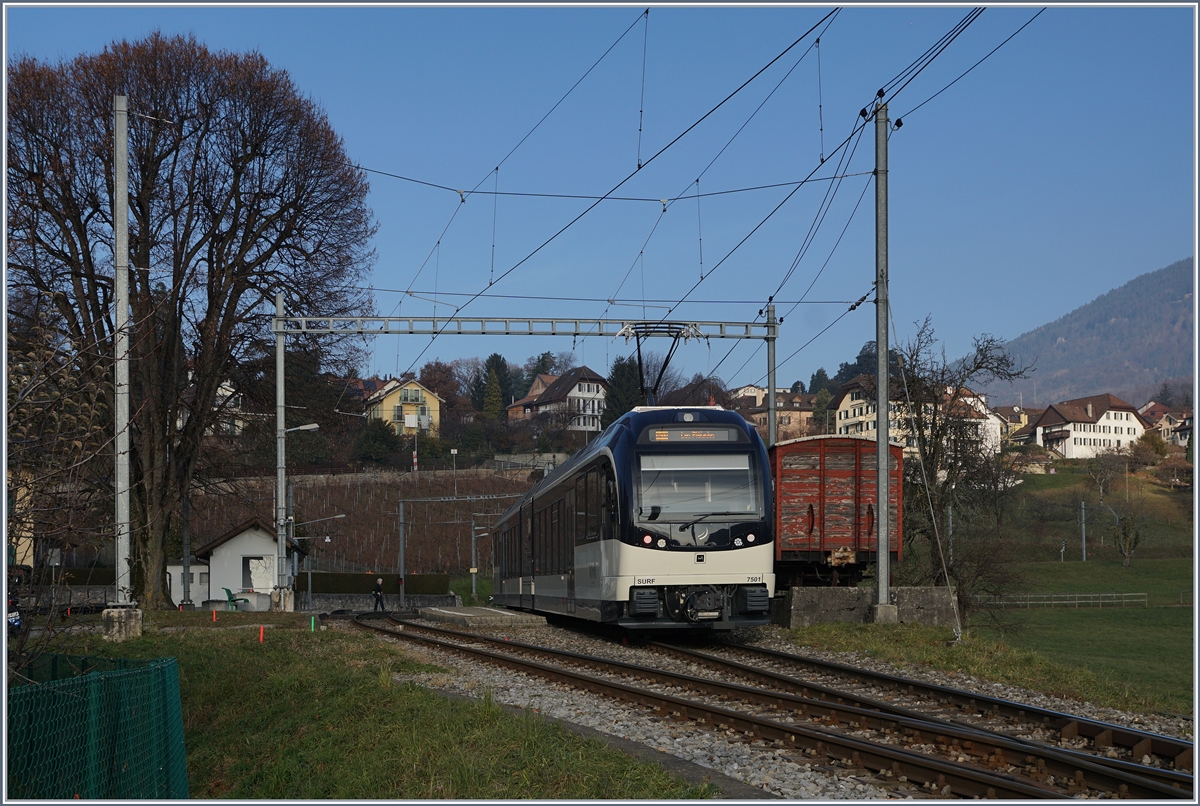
{"x":675,"y":486}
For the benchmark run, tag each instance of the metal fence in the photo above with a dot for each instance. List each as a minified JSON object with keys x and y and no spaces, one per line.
{"x":96,"y":728}
{"x":1070,"y":600}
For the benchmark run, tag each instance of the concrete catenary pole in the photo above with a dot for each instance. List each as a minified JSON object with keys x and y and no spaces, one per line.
{"x":281,"y":530}
{"x":772,"y":332}
{"x":884,"y":610}
{"x":401,"y":562}
{"x":121,"y":339}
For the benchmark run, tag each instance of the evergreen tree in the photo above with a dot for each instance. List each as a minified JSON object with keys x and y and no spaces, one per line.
{"x":376,"y":441}
{"x":492,"y":405}
{"x":798,"y":388}
{"x":820,"y":410}
{"x":820,"y":380}
{"x":536,"y":365}
{"x":504,"y":377}
{"x":624,"y":390}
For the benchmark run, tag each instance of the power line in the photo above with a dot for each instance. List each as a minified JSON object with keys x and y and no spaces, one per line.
{"x":655,"y":156}
{"x":610,"y":300}
{"x":969,"y":69}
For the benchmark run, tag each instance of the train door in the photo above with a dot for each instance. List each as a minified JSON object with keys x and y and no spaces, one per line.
{"x":526,"y":587}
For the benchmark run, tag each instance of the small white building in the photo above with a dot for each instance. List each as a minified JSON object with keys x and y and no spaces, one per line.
{"x":579,"y":395}
{"x":243,"y":560}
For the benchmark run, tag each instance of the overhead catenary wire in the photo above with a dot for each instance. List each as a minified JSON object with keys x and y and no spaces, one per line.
{"x":655,"y":156}
{"x":642,"y":100}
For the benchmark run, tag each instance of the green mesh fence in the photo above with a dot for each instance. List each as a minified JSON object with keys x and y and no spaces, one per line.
{"x":97,"y":728}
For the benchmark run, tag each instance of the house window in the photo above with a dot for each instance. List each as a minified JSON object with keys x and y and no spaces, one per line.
{"x":398,"y":413}
{"x":203,"y":578}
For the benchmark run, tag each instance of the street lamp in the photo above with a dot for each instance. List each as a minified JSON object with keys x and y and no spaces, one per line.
{"x":454,"y":459}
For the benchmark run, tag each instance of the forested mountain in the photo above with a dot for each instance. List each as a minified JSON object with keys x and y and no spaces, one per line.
{"x":1126,"y":342}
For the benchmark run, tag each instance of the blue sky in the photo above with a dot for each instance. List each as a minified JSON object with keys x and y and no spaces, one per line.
{"x":1060,"y":168}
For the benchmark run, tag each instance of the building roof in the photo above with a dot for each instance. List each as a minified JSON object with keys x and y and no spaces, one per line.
{"x":207,"y":549}
{"x":567,"y":382}
{"x":395,"y":383}
{"x":1084,"y":410}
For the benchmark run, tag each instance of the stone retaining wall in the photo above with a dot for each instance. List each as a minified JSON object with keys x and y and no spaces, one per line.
{"x":808,"y":606}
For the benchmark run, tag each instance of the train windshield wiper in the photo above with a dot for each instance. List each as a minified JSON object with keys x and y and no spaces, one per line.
{"x":694,"y":521}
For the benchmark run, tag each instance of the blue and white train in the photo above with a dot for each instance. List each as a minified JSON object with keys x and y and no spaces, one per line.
{"x":663,"y":521}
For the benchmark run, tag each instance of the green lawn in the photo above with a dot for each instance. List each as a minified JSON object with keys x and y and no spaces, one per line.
{"x":1147,"y":651}
{"x":1163,"y":580}
{"x":319,"y":715}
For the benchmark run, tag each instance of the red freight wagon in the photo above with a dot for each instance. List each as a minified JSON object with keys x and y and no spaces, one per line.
{"x":825,"y":507}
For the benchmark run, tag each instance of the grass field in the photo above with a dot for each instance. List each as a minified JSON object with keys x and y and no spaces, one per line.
{"x":319,"y":715}
{"x":1143,"y":655}
{"x":1162,"y":580}
{"x":1045,"y":513}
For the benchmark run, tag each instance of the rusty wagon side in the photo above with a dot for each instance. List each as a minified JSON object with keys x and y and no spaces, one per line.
{"x":825,"y":509}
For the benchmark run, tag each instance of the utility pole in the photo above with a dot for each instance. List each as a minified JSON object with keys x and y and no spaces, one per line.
{"x":885,"y":611}
{"x":772,"y":333}
{"x":401,"y":559}
{"x":1083,"y":526}
{"x":281,"y":529}
{"x":121,"y":338}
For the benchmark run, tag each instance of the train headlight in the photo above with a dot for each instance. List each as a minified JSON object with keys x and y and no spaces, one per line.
{"x":662,"y":542}
{"x":750,"y":538}
{"x":737,"y":541}
{"x":647,"y":539}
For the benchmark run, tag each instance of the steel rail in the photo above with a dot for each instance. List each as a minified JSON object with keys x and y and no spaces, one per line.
{"x":968,"y":781}
{"x":1101,"y":734}
{"x":994,"y":749}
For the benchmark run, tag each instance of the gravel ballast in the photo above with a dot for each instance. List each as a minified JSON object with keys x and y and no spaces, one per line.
{"x":773,"y":771}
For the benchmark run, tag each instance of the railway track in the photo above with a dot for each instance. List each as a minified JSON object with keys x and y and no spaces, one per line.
{"x":1115,"y":746}
{"x":910,"y":752}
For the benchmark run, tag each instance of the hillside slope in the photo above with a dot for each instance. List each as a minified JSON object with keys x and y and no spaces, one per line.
{"x":1125,"y":342}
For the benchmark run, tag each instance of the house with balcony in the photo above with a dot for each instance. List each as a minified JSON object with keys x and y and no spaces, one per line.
{"x":407,"y":405}
{"x":1081,"y":428}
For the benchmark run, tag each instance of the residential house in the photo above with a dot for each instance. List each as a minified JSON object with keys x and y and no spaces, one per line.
{"x":1013,"y":419}
{"x":852,"y":411}
{"x":406,"y":404}
{"x":243,"y":560}
{"x":523,"y":409}
{"x":1166,"y":420}
{"x":1085,"y":426}
{"x":795,"y":415}
{"x":578,"y":395}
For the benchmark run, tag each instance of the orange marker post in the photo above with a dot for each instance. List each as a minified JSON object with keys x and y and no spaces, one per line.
{"x":260,"y":633}
{"x":214,"y":617}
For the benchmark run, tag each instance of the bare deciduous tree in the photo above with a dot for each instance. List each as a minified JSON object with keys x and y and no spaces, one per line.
{"x":934,"y":400}
{"x":239,"y":188}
